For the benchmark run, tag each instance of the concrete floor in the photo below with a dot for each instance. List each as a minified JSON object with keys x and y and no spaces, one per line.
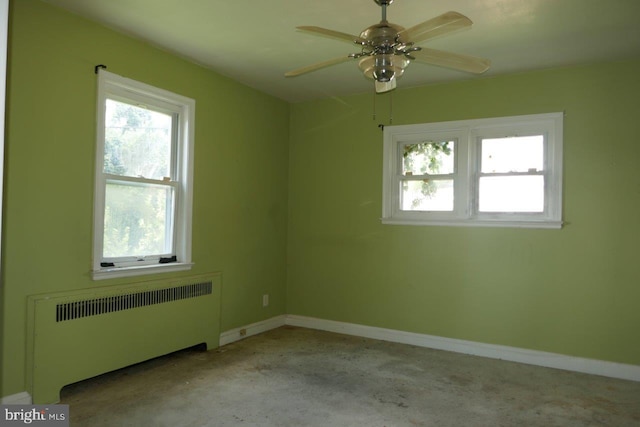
{"x":300,"y":377}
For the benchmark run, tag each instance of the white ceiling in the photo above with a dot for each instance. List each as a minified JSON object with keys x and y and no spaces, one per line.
{"x":255,"y":41}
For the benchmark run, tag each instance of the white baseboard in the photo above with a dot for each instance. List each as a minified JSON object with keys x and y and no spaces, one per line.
{"x":22,"y":398}
{"x":242,"y":332}
{"x":493,"y":351}
{"x":512,"y":354}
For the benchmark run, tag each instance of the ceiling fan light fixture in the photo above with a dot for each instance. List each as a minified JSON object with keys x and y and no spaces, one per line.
{"x":382,"y":87}
{"x":383,"y":68}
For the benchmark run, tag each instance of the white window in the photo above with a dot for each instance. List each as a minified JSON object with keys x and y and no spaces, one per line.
{"x":502,"y":172}
{"x":143,"y":183}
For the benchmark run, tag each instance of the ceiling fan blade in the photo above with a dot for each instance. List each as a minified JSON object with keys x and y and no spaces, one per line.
{"x":333,"y":34}
{"x":443,"y":24}
{"x":317,"y":66}
{"x":471,"y":64}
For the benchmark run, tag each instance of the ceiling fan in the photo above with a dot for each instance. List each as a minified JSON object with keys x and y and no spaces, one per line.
{"x":387,"y":49}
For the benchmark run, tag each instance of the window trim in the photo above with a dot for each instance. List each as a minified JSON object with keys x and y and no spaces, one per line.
{"x":468,"y":134}
{"x":117,"y":87}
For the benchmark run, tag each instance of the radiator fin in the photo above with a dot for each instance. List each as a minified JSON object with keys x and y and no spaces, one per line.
{"x":109,"y":304}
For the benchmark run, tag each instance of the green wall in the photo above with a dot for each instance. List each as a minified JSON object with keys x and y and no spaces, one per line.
{"x":573,"y":291}
{"x":240,"y":180}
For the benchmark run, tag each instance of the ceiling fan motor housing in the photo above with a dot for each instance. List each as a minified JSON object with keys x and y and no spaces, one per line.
{"x":381,"y":36}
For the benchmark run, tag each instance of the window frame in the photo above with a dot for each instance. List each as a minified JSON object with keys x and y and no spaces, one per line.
{"x":468,"y":135}
{"x":182,"y":109}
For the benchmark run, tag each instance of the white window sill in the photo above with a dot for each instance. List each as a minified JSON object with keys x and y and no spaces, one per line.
{"x":114,"y":272}
{"x":475,"y":223}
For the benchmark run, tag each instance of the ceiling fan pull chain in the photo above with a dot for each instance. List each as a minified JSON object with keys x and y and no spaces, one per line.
{"x":391,"y":108}
{"x":374,"y":103}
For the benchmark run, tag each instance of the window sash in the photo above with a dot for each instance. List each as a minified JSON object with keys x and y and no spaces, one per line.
{"x":170,"y":218}
{"x":169,"y":110}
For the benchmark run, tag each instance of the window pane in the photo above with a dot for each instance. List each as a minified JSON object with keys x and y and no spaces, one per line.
{"x":427,"y":195}
{"x":512,"y":194}
{"x":137,"y":141}
{"x":137,"y":220}
{"x":429,"y":157}
{"x":516,"y":154}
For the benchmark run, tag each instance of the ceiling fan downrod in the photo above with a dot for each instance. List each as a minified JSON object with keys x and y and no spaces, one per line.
{"x":383,"y":4}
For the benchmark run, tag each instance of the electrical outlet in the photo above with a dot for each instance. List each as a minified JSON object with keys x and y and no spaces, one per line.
{"x":265,"y":300}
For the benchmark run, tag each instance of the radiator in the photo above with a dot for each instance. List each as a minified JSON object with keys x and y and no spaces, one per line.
{"x":77,"y":335}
